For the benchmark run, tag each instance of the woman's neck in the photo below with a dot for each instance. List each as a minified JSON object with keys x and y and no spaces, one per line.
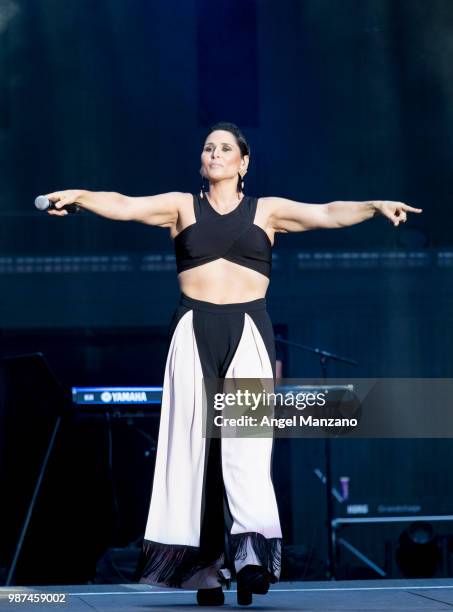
{"x":223,"y":195}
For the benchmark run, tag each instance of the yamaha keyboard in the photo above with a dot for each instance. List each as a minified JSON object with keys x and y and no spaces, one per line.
{"x":148,"y":399}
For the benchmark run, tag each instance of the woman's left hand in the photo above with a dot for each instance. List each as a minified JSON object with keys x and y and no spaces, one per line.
{"x":395,"y":211}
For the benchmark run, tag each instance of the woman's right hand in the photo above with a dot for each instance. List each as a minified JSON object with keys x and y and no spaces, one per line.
{"x":61,"y":198}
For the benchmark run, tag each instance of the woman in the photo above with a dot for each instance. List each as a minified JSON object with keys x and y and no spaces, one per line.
{"x":206,"y":487}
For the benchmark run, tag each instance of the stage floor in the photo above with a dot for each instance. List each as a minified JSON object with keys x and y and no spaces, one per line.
{"x":344,"y":596}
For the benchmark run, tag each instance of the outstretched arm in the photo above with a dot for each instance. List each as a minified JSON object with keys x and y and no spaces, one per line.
{"x":161,"y":209}
{"x":290,"y":216}
{"x":343,"y":214}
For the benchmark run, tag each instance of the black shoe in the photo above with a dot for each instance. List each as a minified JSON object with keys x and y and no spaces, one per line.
{"x":210,"y":597}
{"x":251,"y":579}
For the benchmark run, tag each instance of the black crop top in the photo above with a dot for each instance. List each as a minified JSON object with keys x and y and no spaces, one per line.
{"x":233,"y":236}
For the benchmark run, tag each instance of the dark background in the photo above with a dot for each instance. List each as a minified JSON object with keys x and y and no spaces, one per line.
{"x":347,"y":100}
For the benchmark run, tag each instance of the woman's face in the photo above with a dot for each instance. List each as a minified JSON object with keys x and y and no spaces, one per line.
{"x":221,"y":157}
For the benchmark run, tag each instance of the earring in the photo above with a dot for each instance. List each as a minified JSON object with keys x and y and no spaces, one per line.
{"x":240,"y":184}
{"x":202,"y":190}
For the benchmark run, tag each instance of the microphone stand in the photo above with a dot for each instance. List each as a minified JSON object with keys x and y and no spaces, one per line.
{"x":324,"y":357}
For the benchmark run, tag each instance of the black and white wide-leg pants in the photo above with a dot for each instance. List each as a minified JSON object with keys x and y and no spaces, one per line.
{"x":204,"y":487}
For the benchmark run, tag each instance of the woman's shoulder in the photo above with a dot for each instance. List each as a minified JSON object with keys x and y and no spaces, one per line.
{"x":267,"y":203}
{"x":185,"y":199}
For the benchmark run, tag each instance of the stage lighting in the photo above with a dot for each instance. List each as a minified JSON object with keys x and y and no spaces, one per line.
{"x":418,"y":552}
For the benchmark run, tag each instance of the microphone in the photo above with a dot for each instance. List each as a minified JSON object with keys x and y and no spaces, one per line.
{"x":43,"y":203}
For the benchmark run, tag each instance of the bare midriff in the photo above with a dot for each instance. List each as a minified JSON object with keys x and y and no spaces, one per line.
{"x":222,"y":281}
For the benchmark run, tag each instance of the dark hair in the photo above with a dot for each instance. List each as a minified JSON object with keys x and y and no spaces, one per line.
{"x":240,"y":139}
{"x":233,"y":128}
